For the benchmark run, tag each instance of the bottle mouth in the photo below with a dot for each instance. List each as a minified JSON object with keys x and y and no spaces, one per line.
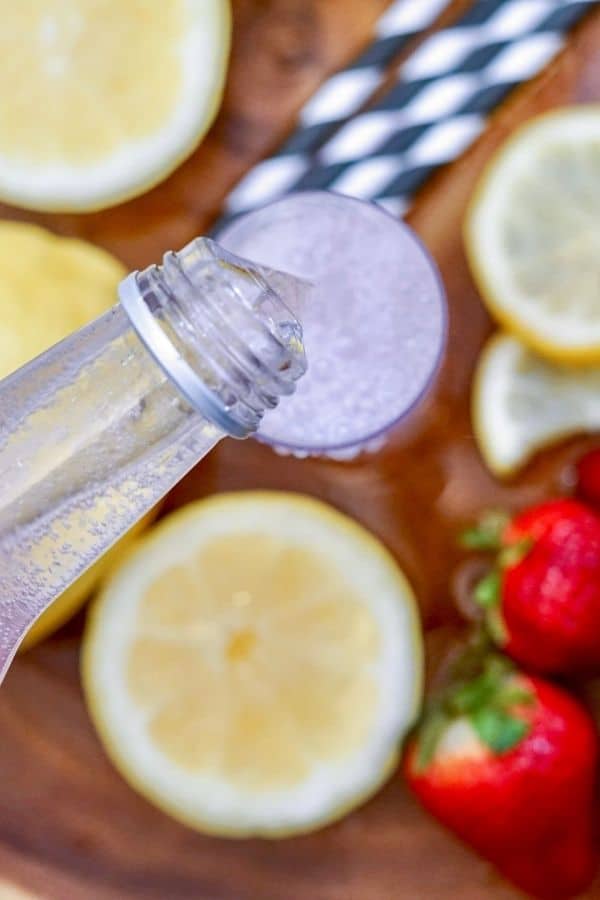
{"x":220,"y":331}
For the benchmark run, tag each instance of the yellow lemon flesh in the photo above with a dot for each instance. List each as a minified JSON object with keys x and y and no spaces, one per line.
{"x":104,"y":98}
{"x":522,"y":403}
{"x":49,"y":287}
{"x":532,"y":235}
{"x":253,"y":666}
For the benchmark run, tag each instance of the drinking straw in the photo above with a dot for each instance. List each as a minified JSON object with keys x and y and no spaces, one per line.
{"x":437,"y":107}
{"x":339,"y":98}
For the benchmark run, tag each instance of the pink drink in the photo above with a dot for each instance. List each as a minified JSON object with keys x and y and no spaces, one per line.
{"x":374,"y":326}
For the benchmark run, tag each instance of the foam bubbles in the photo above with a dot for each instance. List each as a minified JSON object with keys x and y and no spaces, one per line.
{"x":373,"y":327}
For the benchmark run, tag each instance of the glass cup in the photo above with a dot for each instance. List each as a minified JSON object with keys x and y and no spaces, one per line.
{"x":374,"y":324}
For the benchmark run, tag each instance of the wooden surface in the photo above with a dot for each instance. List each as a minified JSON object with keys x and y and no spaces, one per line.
{"x":70,"y":829}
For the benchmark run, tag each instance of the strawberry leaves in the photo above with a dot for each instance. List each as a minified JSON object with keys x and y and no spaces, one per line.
{"x":485,"y":690}
{"x":489,"y":702}
{"x":487,"y":591}
{"x":431,"y":731}
{"x":487,"y":534}
{"x":483,"y":687}
{"x":498,"y":729}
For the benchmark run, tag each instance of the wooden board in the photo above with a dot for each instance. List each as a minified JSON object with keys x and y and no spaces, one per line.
{"x":70,"y":828}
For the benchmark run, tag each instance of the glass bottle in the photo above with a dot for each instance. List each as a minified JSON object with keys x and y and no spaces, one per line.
{"x":97,"y":429}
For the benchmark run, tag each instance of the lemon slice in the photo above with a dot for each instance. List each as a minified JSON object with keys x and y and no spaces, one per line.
{"x":254,"y":665}
{"x":532,"y":235}
{"x":49,"y":287}
{"x":104,"y":98}
{"x":522,"y":403}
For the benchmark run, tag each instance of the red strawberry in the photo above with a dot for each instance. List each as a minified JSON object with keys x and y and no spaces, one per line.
{"x":588,"y":477}
{"x":508,"y":763}
{"x":543,"y":598}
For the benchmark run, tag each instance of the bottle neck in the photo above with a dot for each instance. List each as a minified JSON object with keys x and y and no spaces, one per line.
{"x":219,"y":330}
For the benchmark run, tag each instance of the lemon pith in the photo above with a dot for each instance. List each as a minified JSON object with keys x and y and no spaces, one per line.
{"x":261,"y":677}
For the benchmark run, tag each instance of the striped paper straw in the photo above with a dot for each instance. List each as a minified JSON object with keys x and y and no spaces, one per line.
{"x":341,"y":96}
{"x":437,"y":107}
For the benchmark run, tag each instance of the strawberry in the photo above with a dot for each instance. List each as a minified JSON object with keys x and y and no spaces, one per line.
{"x":588,"y":477}
{"x":507,"y":762}
{"x":542,"y":599}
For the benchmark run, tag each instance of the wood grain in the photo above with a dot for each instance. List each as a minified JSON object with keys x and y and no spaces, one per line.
{"x":70,"y":829}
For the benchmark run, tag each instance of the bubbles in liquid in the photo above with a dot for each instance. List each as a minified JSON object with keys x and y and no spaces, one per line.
{"x":373,"y":326}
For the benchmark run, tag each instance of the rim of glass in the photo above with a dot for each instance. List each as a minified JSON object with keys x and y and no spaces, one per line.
{"x":361,"y":442}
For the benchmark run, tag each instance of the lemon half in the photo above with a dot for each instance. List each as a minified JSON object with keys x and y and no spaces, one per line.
{"x":522,"y":403}
{"x":533,"y":238}
{"x":253,"y":666}
{"x":101,"y":99}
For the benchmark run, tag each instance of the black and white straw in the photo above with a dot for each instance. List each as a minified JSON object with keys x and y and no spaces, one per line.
{"x":338,"y":99}
{"x":436,"y":108}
